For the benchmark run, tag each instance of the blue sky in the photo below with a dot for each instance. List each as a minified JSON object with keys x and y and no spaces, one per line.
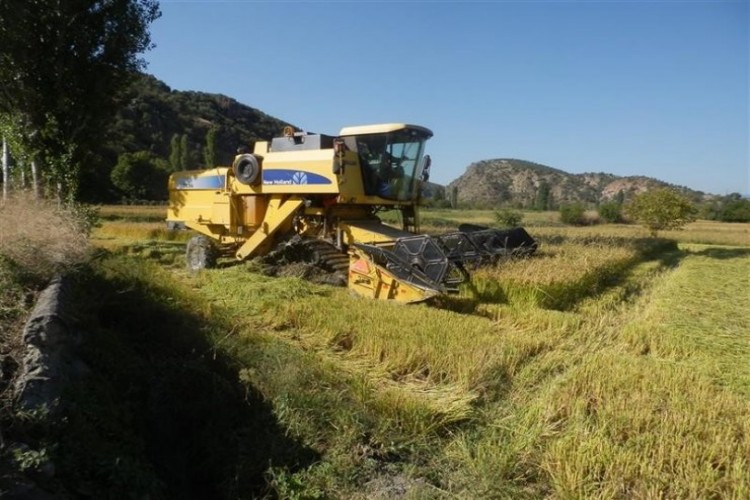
{"x":657,"y":88}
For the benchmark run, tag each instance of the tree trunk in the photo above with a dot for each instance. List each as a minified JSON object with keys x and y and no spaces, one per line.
{"x":6,"y":167}
{"x":35,"y":179}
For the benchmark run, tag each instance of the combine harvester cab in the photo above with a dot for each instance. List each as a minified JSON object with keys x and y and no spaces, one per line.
{"x":321,"y":195}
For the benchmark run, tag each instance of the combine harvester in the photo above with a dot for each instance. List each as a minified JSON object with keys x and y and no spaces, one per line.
{"x":321,"y":195}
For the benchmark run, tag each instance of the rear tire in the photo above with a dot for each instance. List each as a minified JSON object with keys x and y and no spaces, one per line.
{"x":200,"y":254}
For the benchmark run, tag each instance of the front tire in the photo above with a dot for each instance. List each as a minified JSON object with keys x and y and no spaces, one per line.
{"x":200,"y":254}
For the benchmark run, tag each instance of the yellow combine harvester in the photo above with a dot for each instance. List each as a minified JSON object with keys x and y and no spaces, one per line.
{"x":320,"y":195}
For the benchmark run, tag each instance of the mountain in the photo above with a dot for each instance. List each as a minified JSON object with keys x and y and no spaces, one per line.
{"x":152,"y":114}
{"x":524,"y":184}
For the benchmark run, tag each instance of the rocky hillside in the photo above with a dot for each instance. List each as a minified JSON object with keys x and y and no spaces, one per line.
{"x":524,"y":184}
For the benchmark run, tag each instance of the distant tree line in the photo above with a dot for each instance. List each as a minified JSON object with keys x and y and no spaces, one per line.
{"x":730,"y":208}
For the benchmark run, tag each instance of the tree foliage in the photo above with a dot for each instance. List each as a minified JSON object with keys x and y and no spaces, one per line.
{"x":184,"y":152}
{"x":730,"y":208}
{"x":62,"y":66}
{"x":573,"y":213}
{"x":508,"y":217}
{"x":543,"y":199}
{"x":209,"y":152}
{"x":141,"y":176}
{"x":610,"y":211}
{"x":661,"y":209}
{"x":736,"y":211}
{"x":174,"y":153}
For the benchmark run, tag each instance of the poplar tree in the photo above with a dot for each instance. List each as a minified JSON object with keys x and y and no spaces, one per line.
{"x":209,"y":152}
{"x":174,"y":153}
{"x":184,"y":152}
{"x":62,"y":66}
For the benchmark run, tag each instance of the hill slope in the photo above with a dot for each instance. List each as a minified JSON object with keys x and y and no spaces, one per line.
{"x":524,"y":184}
{"x":152,"y":114}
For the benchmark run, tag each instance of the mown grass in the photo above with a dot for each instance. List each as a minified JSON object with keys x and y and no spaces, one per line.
{"x":133,"y":213}
{"x":705,"y":326}
{"x":153,"y":240}
{"x":565,"y":271}
{"x":635,"y":387}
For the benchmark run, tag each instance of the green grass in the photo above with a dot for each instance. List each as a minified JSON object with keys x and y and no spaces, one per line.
{"x":699,"y":315}
{"x":530,"y":402}
{"x":632,"y":382}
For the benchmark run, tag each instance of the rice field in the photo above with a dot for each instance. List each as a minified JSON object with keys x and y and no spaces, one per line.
{"x":610,"y":365}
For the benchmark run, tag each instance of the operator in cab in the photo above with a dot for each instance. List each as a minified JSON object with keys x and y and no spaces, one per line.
{"x":389,"y":175}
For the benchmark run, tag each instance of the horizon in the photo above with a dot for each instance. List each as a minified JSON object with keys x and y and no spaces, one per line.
{"x":649,"y":89}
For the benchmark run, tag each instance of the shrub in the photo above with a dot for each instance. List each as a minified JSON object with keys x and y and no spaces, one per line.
{"x":574,"y":214}
{"x":611,"y":212}
{"x":509,"y":217}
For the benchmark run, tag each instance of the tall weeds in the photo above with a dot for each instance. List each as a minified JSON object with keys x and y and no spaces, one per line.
{"x":41,"y":237}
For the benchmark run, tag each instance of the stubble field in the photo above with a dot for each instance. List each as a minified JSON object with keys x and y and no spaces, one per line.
{"x":608,"y":365}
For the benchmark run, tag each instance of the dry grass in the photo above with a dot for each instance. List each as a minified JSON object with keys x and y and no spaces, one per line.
{"x":700,"y":315}
{"x":705,"y":232}
{"x":134,"y":212}
{"x":41,"y":237}
{"x":647,"y":429}
{"x":565,"y":270}
{"x":647,"y":398}
{"x":564,"y":262}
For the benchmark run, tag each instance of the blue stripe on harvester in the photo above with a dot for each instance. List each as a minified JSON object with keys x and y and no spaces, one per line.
{"x":197,"y":182}
{"x":278,"y":176}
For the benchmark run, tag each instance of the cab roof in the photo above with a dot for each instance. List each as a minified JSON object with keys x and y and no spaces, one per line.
{"x":382,"y":128}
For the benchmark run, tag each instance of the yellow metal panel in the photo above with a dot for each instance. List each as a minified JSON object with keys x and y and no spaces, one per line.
{"x":279,"y":213}
{"x":191,"y":205}
{"x":350,"y":177}
{"x":220,"y":211}
{"x":299,"y":172}
{"x":372,"y":232}
{"x":237,"y":187}
{"x":252,"y":210}
{"x":193,"y":193}
{"x":375,"y":282}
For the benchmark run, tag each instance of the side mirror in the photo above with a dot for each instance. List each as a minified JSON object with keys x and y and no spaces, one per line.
{"x":426,"y":163}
